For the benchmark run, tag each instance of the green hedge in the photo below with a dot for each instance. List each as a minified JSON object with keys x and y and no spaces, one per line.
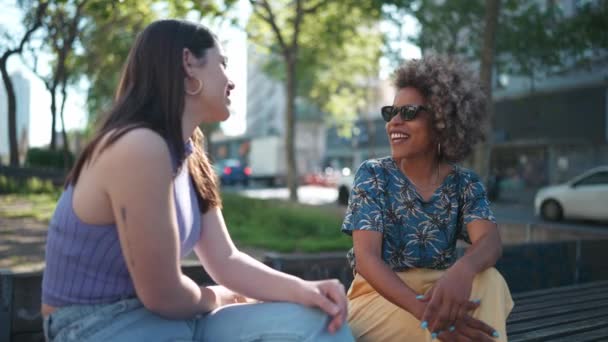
{"x":282,"y":226}
{"x":265,"y":224}
{"x":46,"y":158}
{"x":32,"y":185}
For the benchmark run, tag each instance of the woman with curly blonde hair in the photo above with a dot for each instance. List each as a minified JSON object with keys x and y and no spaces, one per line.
{"x":407,"y":211}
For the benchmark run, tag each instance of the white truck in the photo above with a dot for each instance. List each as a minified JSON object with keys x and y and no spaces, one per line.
{"x":267,"y":160}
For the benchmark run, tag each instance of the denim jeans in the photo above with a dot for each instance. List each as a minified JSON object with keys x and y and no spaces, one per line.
{"x":129,"y":320}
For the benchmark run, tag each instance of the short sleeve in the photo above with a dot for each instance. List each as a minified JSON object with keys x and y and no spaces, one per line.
{"x":364,"y":210}
{"x":475,"y":206}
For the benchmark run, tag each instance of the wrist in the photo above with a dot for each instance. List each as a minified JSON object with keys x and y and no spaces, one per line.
{"x":465,"y":268}
{"x":417,"y":309}
{"x":300,"y":292}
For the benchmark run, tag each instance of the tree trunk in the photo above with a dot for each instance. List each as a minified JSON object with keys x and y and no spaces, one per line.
{"x":8,"y":84}
{"x":12,"y":113}
{"x":53,"y":145}
{"x":64,"y":134}
{"x":292,"y":171}
{"x":483,"y":150}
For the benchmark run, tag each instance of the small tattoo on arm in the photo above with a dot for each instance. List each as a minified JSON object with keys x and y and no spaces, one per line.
{"x":123,"y":214}
{"x":128,"y":256}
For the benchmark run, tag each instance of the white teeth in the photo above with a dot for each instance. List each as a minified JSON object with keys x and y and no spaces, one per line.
{"x":399,"y":136}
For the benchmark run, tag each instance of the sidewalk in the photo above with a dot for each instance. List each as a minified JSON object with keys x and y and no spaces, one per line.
{"x":22,"y":243}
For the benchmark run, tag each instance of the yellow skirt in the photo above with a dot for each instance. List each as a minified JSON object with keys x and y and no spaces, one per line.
{"x":372,"y":318}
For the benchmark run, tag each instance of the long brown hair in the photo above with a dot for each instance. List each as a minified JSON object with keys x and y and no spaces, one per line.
{"x":151,"y":94}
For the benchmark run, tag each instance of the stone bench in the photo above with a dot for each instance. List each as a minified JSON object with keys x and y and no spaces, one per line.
{"x":529,"y":267}
{"x":20,"y":319}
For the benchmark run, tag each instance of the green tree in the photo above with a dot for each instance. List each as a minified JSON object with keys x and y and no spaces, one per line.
{"x":32,"y":22}
{"x":531,"y":39}
{"x":60,"y":29}
{"x":492,"y":12}
{"x":318,"y":48}
{"x":109,"y":34}
{"x":105,"y":41}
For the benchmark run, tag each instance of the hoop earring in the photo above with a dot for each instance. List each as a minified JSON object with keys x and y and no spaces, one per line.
{"x":198,"y":89}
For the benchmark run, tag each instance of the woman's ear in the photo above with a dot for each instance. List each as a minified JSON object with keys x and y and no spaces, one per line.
{"x":188,"y":62}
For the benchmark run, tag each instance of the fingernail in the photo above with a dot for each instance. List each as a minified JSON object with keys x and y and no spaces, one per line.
{"x":433,"y":336}
{"x":476,"y":301}
{"x":419,"y":297}
{"x":424,"y":324}
{"x":452,"y":328}
{"x":496,"y":334}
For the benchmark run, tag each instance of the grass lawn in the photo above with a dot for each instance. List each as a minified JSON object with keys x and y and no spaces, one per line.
{"x":37,"y":206}
{"x":264,"y":224}
{"x":283,"y":226}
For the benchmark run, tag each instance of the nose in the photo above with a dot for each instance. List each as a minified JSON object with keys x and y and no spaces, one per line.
{"x":230,"y":85}
{"x":395,"y":120}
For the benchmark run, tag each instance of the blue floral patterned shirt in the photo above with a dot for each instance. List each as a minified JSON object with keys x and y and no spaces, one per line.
{"x":416,"y":233}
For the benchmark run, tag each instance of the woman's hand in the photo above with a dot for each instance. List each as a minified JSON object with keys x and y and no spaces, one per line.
{"x":221,"y":296}
{"x":329,"y":296}
{"x":468,"y":329}
{"x":448,"y":300}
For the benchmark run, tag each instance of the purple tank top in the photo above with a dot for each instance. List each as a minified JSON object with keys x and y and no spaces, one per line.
{"x":84,"y":262}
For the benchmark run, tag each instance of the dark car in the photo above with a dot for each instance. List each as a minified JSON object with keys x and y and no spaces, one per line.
{"x":232,"y":171}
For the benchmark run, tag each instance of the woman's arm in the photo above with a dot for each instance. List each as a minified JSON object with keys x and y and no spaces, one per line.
{"x":138,"y":181}
{"x":486,"y":247}
{"x":449,"y":297}
{"x":245,"y":275}
{"x":368,"y":248}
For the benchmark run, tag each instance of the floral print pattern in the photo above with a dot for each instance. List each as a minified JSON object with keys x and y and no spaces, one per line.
{"x":416,"y":233}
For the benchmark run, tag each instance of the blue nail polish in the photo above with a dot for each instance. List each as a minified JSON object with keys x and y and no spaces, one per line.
{"x":452,"y":328}
{"x":476,"y":301}
{"x":424,"y":325}
{"x":419,"y":297}
{"x":496,"y":334}
{"x":433,"y":336}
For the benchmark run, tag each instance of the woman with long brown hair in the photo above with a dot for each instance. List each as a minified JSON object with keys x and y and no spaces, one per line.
{"x":141,"y":195}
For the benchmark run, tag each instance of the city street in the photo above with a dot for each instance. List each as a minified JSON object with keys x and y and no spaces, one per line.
{"x":509,"y":212}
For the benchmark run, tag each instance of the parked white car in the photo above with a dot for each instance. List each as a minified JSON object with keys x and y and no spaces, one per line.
{"x":583,"y":197}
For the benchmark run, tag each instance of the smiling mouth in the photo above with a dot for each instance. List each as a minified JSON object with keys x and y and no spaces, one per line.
{"x":397,"y":138}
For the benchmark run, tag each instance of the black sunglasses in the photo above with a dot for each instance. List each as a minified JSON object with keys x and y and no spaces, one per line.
{"x":407,"y":112}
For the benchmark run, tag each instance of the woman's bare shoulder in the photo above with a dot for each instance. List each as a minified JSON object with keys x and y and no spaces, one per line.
{"x":136,"y":151}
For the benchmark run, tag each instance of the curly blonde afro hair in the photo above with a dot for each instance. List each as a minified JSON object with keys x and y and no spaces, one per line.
{"x":453,"y":96}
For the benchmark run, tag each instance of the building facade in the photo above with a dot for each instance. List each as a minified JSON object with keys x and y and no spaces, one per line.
{"x":554,"y":129}
{"x":22,"y":96}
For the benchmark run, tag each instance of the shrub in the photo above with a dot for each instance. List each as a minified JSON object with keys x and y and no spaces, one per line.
{"x":46,"y":158}
{"x":33,"y":185}
{"x":284,"y":226}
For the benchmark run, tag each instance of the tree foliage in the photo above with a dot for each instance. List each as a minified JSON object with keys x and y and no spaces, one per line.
{"x":323,"y":51}
{"x":533,"y":38}
{"x":339,"y":50}
{"x":9,"y":47}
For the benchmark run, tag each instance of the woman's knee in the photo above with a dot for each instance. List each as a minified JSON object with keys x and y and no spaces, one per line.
{"x":490,"y":283}
{"x":268,"y":321}
{"x":490,"y":275}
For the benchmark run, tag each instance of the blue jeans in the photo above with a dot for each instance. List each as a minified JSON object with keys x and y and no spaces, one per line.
{"x":129,"y":320}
